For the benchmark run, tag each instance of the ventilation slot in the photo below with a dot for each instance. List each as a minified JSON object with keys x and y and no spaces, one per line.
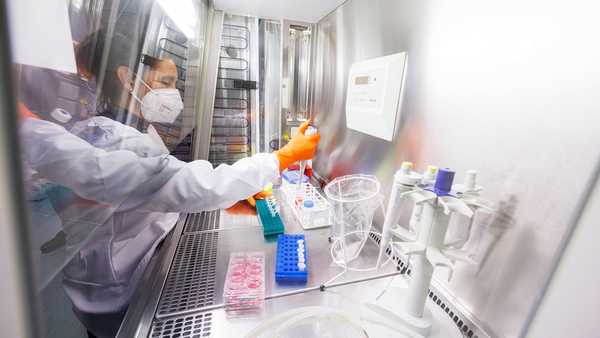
{"x":192,"y":326}
{"x":204,"y":221}
{"x":191,"y":281}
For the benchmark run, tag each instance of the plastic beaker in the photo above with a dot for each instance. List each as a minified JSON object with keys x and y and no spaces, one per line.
{"x":354,"y":200}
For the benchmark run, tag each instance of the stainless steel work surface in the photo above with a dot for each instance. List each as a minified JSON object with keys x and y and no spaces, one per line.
{"x":321,"y":268}
{"x":191,"y":303}
{"x":348,"y":298}
{"x":197,"y":276}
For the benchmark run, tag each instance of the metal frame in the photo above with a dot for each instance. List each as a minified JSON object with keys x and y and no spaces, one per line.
{"x":270,"y":63}
{"x":292,"y":79}
{"x":208,"y":80}
{"x":241,"y":100}
{"x":29,"y":324}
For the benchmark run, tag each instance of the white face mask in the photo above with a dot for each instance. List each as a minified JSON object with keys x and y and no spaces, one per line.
{"x":160,"y":105}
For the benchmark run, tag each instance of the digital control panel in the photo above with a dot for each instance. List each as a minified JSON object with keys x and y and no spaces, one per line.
{"x":374,"y":95}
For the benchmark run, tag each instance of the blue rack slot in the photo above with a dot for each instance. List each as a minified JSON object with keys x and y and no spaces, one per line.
{"x":291,"y":265}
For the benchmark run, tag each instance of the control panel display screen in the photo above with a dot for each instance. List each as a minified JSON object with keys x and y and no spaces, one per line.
{"x":361,"y":80}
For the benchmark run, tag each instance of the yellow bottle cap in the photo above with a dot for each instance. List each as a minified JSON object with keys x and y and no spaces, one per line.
{"x":268,"y":188}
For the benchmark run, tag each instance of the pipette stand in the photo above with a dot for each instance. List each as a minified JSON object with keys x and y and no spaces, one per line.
{"x":427,"y":181}
{"x":405,"y":183}
{"x":406,"y":307}
{"x":470,"y":193}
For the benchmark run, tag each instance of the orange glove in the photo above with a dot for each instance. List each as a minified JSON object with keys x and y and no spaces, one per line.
{"x":24,"y":112}
{"x":248,"y":207}
{"x":300,"y":148}
{"x":258,"y":196}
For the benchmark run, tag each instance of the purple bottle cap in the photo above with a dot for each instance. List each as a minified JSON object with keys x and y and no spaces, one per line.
{"x":443,"y":182}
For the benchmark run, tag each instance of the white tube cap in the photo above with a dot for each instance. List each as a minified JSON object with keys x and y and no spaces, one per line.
{"x":61,"y":115}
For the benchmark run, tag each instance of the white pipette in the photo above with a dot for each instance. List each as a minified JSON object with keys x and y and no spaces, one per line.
{"x":405,"y":180}
{"x":309,"y":131}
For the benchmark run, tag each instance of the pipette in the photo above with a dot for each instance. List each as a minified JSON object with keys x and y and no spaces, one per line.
{"x":427,"y":181}
{"x":311,"y":130}
{"x":405,"y":180}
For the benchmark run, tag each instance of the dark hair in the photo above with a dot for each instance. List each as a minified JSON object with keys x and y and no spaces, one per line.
{"x":88,"y":54}
{"x":151,"y":61}
{"x":123,"y":48}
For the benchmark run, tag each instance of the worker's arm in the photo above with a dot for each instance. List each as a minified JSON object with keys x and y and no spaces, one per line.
{"x":198,"y":186}
{"x":123,"y":179}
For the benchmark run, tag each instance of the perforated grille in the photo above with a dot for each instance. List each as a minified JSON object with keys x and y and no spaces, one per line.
{"x":191,"y":280}
{"x":467,"y":328}
{"x":192,"y":326}
{"x":203,"y":221}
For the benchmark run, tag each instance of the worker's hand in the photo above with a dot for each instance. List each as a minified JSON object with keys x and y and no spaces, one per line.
{"x":25,"y":113}
{"x":241,"y":208}
{"x":258,"y":196}
{"x":301,"y":147}
{"x":248,"y":207}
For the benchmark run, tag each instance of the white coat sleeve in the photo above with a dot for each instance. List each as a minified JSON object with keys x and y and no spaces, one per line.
{"x":125,"y":180}
{"x":198,"y":186}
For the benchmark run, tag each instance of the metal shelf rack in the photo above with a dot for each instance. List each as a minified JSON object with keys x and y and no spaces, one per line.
{"x":231,"y":131}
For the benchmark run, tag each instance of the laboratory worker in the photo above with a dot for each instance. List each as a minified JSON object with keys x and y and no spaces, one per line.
{"x":147,"y":192}
{"x":118,"y":165}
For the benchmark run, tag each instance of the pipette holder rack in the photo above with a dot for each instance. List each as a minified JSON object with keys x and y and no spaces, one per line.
{"x":425,"y":248}
{"x":470,"y":193}
{"x":318,"y":215}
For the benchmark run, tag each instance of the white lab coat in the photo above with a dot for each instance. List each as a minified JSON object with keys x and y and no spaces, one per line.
{"x":139,"y":193}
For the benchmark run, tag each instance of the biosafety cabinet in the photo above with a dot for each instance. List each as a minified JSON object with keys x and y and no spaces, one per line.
{"x":500,"y":98}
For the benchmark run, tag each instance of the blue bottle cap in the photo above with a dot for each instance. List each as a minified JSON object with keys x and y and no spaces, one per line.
{"x":443,"y":182}
{"x":309,"y":203}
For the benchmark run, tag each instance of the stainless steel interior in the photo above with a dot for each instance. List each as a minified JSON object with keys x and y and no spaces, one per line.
{"x":298,"y":63}
{"x":188,"y":301}
{"x":270,"y":84}
{"x":295,"y":73}
{"x":486,"y":89}
{"x":231,"y":128}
